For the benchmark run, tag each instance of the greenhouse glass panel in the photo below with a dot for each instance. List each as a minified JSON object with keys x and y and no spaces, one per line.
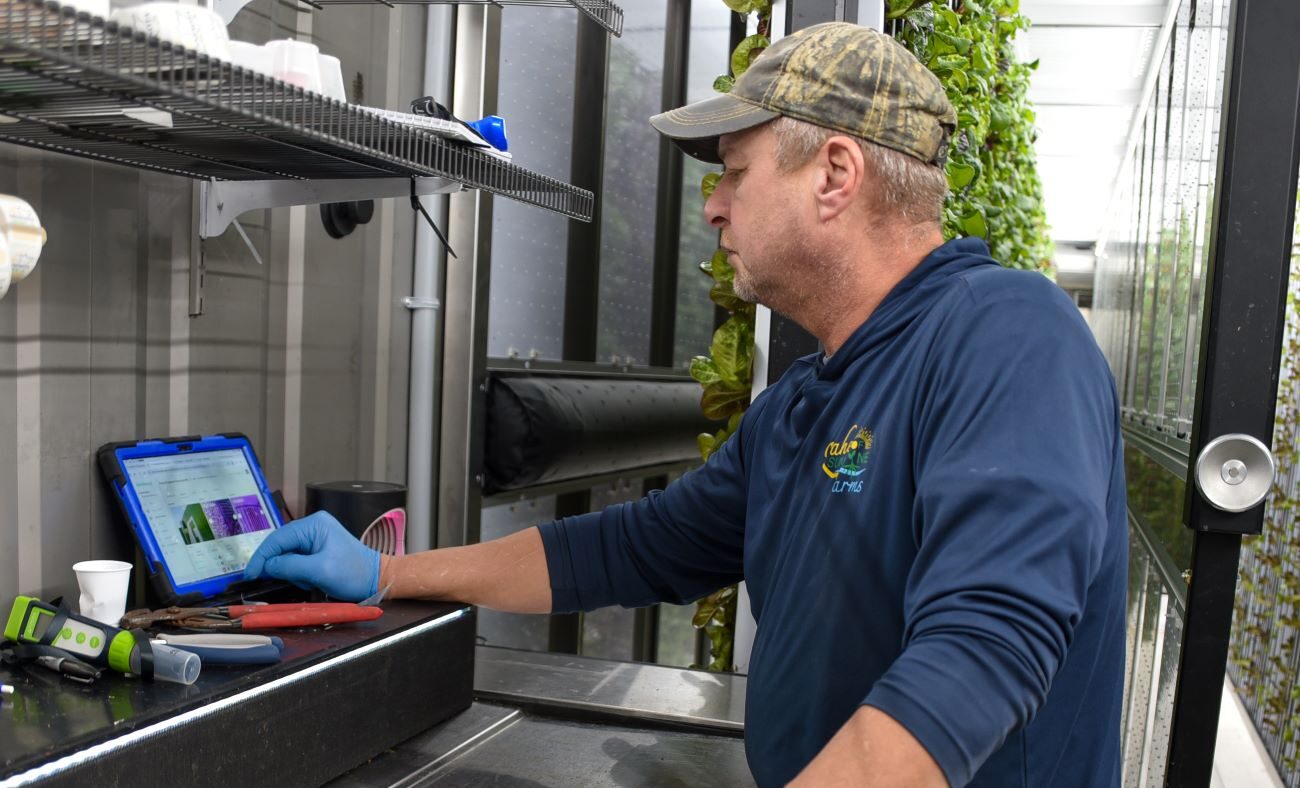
{"x":1151,"y":349}
{"x":708,"y":59}
{"x":630,"y":188}
{"x":530,"y":247}
{"x":1174,"y":310}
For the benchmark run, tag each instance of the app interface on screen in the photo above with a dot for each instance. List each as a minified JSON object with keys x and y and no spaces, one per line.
{"x":205,"y":511}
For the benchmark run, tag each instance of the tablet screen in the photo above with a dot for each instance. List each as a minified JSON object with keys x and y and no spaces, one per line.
{"x":205,"y":510}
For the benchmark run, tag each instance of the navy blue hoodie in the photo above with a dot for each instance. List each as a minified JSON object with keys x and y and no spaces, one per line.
{"x":931,"y":522}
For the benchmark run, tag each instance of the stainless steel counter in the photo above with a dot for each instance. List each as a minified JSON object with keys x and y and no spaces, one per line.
{"x":557,"y":720}
{"x":702,"y":700}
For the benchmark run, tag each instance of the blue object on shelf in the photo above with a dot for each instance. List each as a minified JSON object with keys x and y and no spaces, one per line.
{"x":493,"y":129}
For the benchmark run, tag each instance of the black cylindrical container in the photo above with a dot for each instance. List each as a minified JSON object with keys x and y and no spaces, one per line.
{"x":355,"y":504}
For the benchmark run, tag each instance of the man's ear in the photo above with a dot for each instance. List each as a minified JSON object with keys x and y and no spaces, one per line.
{"x":840,"y":176}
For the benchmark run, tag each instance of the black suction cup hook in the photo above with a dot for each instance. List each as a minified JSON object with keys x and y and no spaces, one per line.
{"x":341,"y":218}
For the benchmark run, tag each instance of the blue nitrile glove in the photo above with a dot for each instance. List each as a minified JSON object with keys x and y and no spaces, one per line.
{"x":318,"y":552}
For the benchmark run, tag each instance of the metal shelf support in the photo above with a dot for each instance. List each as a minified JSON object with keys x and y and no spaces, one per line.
{"x":221,"y":202}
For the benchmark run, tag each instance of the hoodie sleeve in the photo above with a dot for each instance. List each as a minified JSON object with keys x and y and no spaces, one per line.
{"x":675,"y":545}
{"x":1016,"y":438}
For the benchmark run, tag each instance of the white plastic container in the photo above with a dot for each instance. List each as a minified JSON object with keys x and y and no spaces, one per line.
{"x":253,"y":57}
{"x":99,"y":8}
{"x":331,"y":77}
{"x":296,"y":62}
{"x":193,"y":27}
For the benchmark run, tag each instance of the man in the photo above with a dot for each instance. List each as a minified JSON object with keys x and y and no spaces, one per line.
{"x":930,"y":515}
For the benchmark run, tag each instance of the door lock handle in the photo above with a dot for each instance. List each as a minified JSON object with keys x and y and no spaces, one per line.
{"x":1234,"y":472}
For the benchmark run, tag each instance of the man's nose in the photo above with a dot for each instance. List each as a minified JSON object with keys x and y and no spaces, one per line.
{"x":717,"y":208}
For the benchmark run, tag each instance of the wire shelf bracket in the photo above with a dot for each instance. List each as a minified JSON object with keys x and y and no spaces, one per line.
{"x":602,"y":12}
{"x":222,"y":202}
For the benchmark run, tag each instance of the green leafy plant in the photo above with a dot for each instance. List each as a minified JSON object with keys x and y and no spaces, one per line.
{"x":996,"y":191}
{"x":727,"y":372}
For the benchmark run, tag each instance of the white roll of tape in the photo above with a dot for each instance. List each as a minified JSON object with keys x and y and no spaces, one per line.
{"x":21,"y":228}
{"x":6,"y":268}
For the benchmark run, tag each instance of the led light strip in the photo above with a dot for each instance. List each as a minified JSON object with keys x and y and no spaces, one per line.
{"x":90,"y":754}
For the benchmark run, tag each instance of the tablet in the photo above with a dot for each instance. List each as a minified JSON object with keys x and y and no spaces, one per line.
{"x":198,"y":506}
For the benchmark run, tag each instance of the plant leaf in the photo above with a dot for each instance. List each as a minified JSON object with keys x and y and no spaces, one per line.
{"x":748,"y":49}
{"x":724,"y":83}
{"x":973,"y":225}
{"x":960,"y":175}
{"x":899,"y":8}
{"x":733,"y":350}
{"x":721,"y":270}
{"x":704,"y":370}
{"x":720,"y":403}
{"x":948,"y":63}
{"x":706,"y":444}
{"x":709,"y":183}
{"x":724,"y":296}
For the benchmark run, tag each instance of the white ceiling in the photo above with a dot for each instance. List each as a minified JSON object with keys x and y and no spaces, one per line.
{"x":1092,"y":62}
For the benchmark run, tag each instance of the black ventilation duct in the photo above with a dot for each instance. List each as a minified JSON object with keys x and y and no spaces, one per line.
{"x":550,"y":428}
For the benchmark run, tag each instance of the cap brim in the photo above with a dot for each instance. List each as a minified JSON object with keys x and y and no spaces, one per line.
{"x":696,"y":127}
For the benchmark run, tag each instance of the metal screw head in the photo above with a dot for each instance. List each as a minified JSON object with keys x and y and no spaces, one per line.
{"x":1233,"y":472}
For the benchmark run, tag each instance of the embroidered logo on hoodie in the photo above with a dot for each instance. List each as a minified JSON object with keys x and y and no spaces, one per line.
{"x":846,"y":459}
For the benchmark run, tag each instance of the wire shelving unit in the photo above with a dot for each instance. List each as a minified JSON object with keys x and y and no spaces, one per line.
{"x":79,"y":85}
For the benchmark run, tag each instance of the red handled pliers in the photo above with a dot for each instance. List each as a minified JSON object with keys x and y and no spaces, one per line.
{"x":306,"y":614}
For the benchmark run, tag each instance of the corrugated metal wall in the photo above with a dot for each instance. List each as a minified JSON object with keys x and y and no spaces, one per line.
{"x":307,"y":354}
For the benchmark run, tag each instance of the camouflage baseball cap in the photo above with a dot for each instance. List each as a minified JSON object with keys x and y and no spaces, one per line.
{"x":837,"y":75}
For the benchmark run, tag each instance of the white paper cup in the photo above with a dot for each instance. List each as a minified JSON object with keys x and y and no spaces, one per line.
{"x":191,"y":26}
{"x":21,"y":227}
{"x":331,"y":78}
{"x":296,"y":62}
{"x":103,"y":587}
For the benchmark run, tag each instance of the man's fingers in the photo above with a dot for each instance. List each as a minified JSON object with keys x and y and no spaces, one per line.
{"x":297,"y":569}
{"x":292,"y":538}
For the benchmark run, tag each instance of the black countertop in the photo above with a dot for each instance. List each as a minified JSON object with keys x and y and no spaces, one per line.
{"x":51,"y":724}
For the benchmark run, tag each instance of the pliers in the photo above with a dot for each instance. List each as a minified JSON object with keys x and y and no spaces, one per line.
{"x":307,"y":614}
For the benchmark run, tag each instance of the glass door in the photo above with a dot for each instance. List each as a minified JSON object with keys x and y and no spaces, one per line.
{"x":1190,"y":303}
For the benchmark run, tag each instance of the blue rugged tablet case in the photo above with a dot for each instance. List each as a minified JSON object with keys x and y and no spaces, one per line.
{"x":112,"y":455}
